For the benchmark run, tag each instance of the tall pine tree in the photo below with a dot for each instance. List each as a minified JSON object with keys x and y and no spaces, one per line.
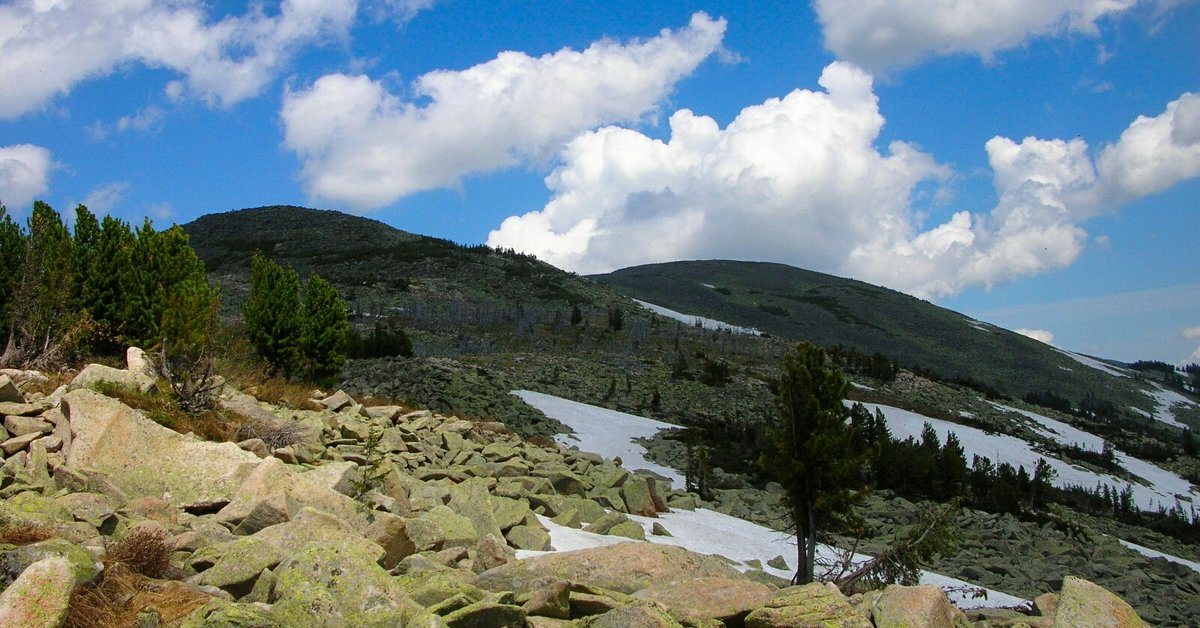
{"x":811,"y":450}
{"x":325,"y":328}
{"x":272,"y":314}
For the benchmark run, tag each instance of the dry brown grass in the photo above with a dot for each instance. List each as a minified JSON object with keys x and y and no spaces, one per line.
{"x":146,"y":551}
{"x":25,"y":533}
{"x":545,"y":442}
{"x":276,"y":434}
{"x":122,"y":593}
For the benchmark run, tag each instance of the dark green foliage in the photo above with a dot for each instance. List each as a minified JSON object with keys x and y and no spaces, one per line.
{"x":576,"y":315}
{"x":715,"y":372}
{"x":933,"y":534}
{"x":295,"y":331}
{"x":616,"y":318}
{"x":12,"y":252}
{"x":810,"y":450}
{"x":103,"y":285}
{"x":1049,"y":399}
{"x":775,"y":310}
{"x":272,"y":314}
{"x":44,"y":329}
{"x":877,"y":365}
{"x":384,"y":341}
{"x":325,"y":327}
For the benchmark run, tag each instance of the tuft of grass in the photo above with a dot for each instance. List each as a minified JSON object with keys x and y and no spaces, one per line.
{"x":122,"y":593}
{"x":277,"y":433}
{"x":24,"y":533}
{"x":146,"y":551}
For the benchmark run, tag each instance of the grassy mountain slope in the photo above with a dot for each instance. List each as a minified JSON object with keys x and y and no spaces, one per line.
{"x":799,"y":304}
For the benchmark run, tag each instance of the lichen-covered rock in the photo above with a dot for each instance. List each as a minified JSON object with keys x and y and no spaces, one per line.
{"x":922,"y":605}
{"x":527,"y":537}
{"x":39,"y":596}
{"x":509,"y":512}
{"x":434,"y":587}
{"x":220,"y":613}
{"x":697,"y":599}
{"x":457,"y":530}
{"x":624,"y":568}
{"x":472,"y":500}
{"x":638,"y":501}
{"x":93,"y":374}
{"x":9,"y":393}
{"x":239,"y":564}
{"x":332,"y":585}
{"x":310,"y":526}
{"x":487,"y":614}
{"x":13,"y":562}
{"x":143,"y":458}
{"x":1082,"y":603}
{"x":274,"y":487}
{"x":807,"y":605}
{"x":641,"y":615}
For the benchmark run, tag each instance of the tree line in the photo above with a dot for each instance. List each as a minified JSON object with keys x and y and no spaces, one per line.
{"x":96,"y":288}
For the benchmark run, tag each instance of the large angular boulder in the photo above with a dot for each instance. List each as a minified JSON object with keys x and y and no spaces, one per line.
{"x":624,"y":567}
{"x":93,"y":374}
{"x":698,"y":599}
{"x":39,"y":596}
{"x":1082,"y":603}
{"x":272,"y":492}
{"x":813,"y":604}
{"x":9,"y":393}
{"x":144,"y":459}
{"x":472,"y":500}
{"x":338,"y":585}
{"x":922,"y":605}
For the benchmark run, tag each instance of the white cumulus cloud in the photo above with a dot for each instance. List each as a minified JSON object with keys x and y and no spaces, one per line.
{"x":49,"y":46}
{"x":366,"y":147}
{"x":888,"y":34}
{"x":24,"y":174}
{"x":800,"y":180}
{"x":1040,"y":335}
{"x":102,"y":199}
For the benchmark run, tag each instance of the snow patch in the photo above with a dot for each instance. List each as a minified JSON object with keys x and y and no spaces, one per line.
{"x":1164,"y":488}
{"x":605,"y":432}
{"x":1058,"y":431}
{"x":1094,"y":363}
{"x":698,"y":321}
{"x":1167,"y":399}
{"x":1150,"y":553}
{"x":611,"y":433}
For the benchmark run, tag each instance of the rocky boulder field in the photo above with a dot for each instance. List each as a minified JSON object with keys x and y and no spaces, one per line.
{"x":376,"y":516}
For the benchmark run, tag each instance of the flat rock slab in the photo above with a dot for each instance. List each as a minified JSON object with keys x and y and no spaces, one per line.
{"x":708,"y":598}
{"x":144,"y":459}
{"x":624,"y":567}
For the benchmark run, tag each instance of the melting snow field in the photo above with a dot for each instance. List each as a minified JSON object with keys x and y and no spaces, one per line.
{"x":690,"y":319}
{"x":605,"y":432}
{"x":611,"y":433}
{"x":1146,"y":551}
{"x":1164,"y":489}
{"x":1094,"y":363}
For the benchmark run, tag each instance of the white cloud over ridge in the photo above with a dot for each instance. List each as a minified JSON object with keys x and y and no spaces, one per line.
{"x":24,"y":174}
{"x":49,"y":46}
{"x":1040,"y":335}
{"x":882,"y":35}
{"x":799,"y":180}
{"x":365,"y":147}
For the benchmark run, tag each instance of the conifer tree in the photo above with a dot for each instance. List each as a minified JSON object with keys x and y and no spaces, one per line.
{"x":325,"y":328}
{"x":42,"y":324}
{"x":272,"y":314}
{"x":810,"y":450}
{"x":12,"y":254}
{"x":102,"y":278}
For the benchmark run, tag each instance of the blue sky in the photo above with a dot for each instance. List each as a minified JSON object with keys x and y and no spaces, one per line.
{"x":1033,"y":163}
